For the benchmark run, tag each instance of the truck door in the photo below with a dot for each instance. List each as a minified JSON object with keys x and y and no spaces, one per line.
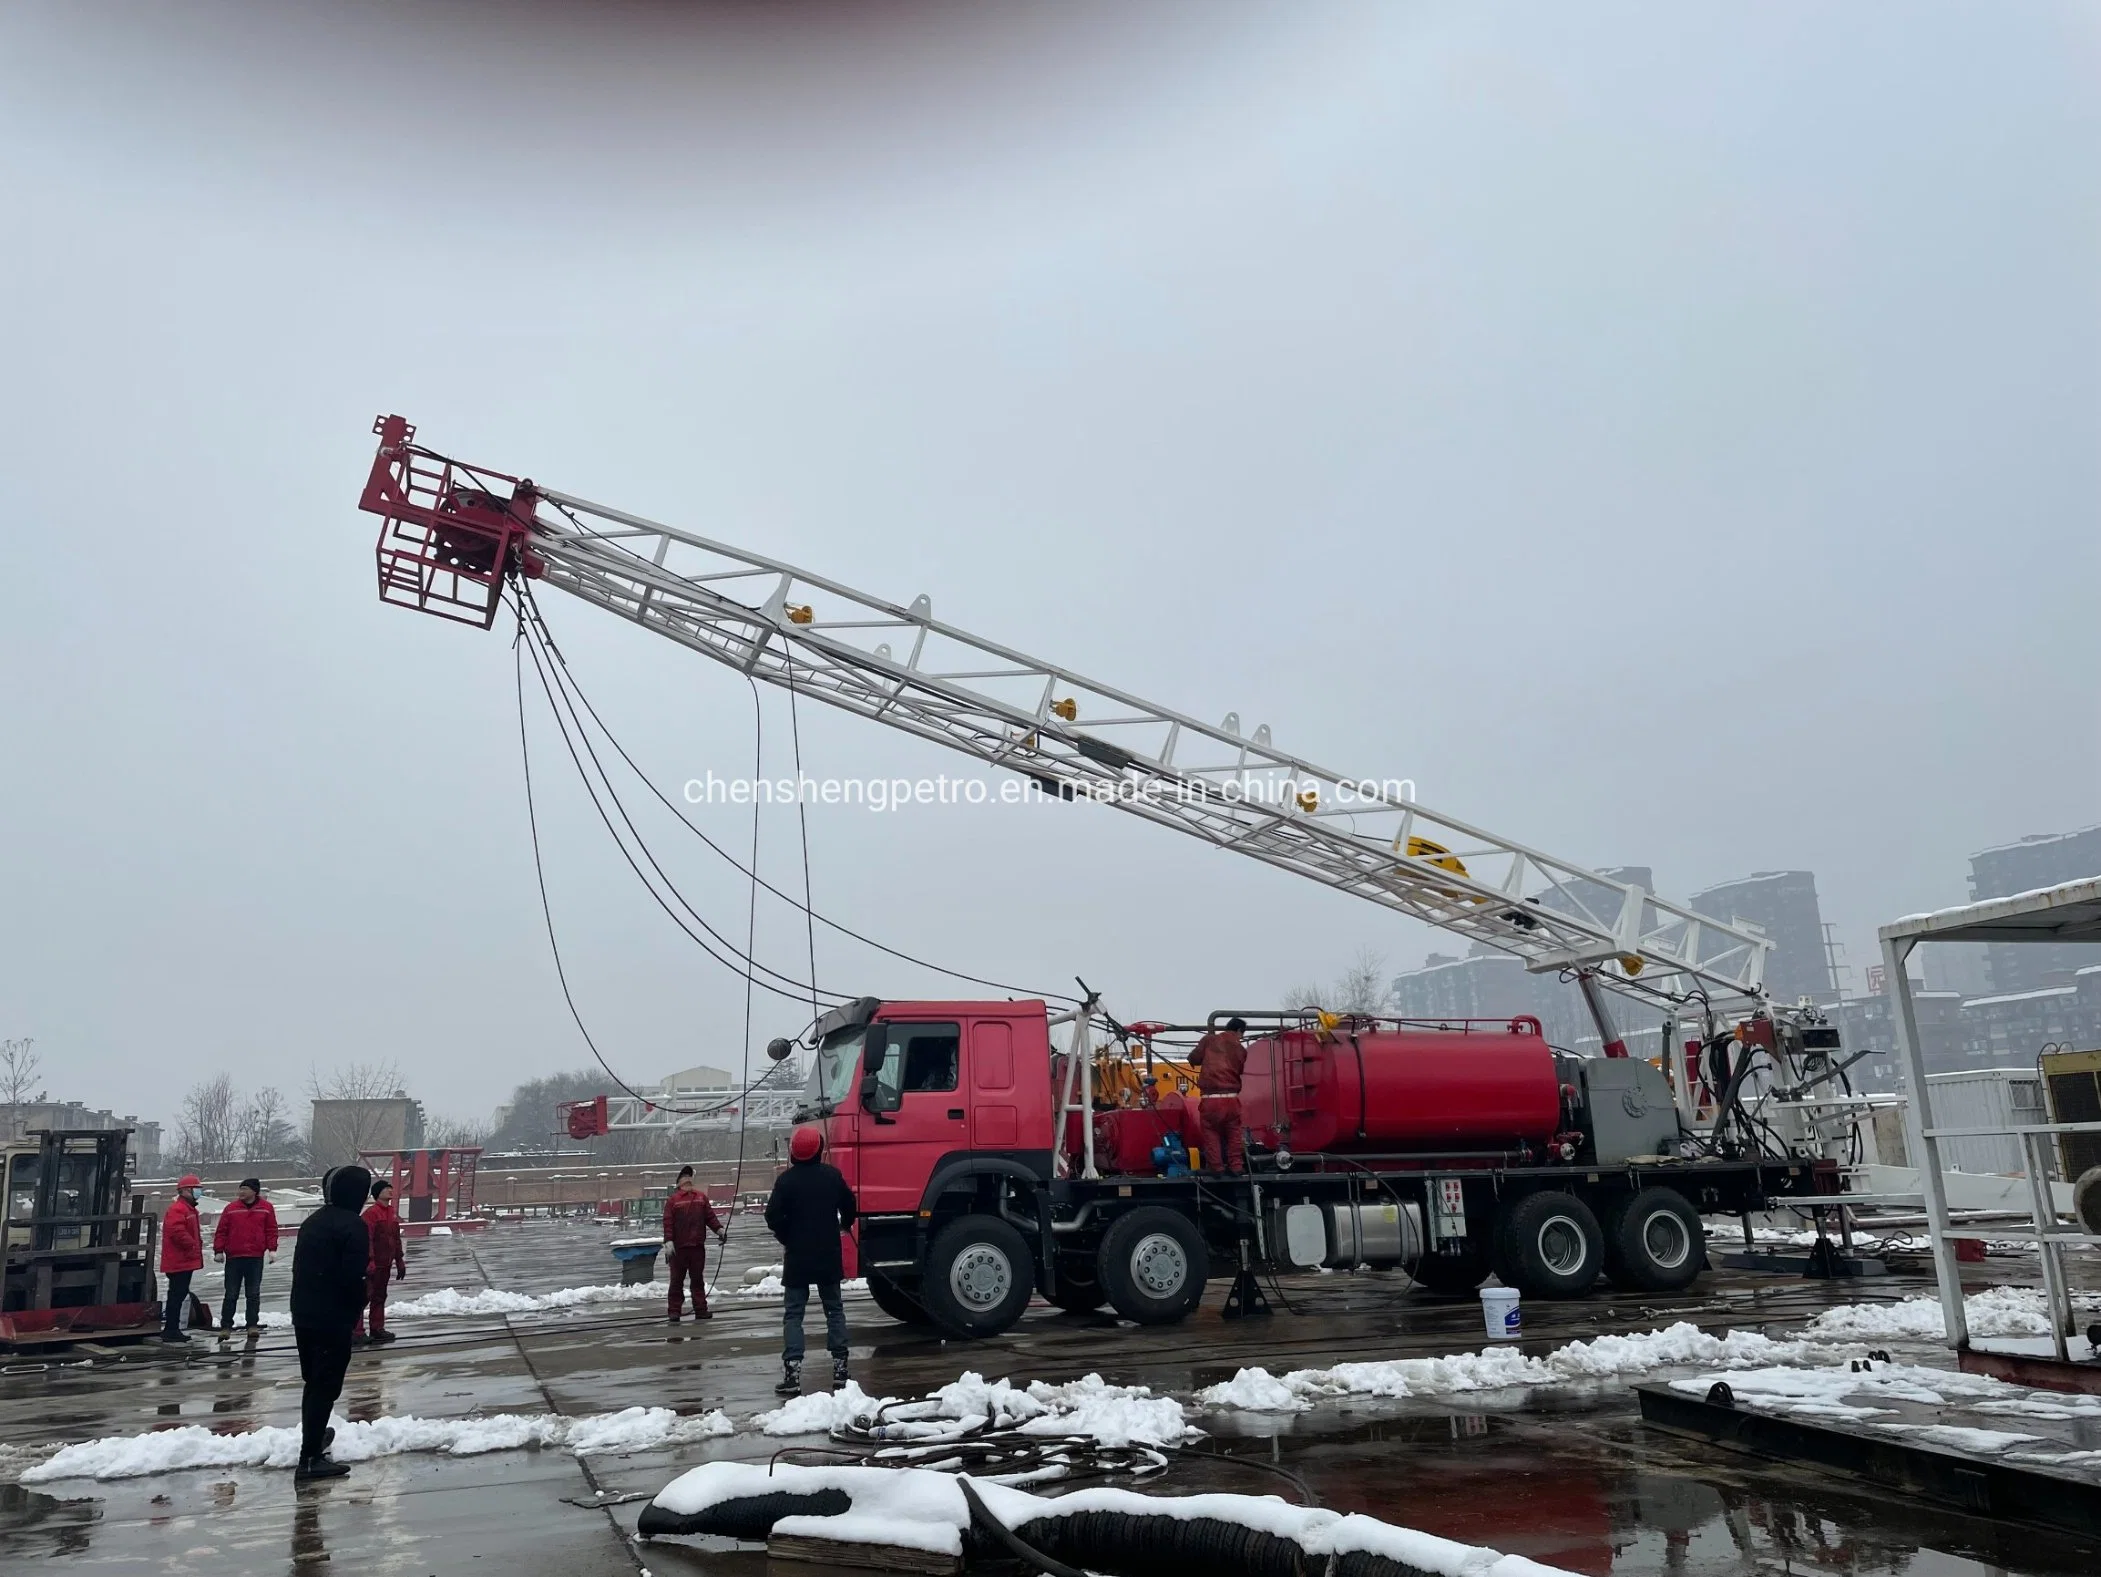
{"x":918,"y":1112}
{"x":994,"y":1117}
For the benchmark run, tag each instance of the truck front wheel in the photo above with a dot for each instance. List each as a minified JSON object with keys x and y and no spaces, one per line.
{"x":1657,"y":1243}
{"x":1549,"y":1246}
{"x":1154,"y":1265}
{"x":979,"y":1276}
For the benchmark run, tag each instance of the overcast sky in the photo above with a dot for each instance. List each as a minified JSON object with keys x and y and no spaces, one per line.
{"x":1665,"y":433}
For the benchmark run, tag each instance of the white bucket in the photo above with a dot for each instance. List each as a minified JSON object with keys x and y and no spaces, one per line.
{"x":1500,"y":1313}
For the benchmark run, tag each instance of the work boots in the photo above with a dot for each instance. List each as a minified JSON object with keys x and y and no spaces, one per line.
{"x":312,"y":1468}
{"x":791,"y":1378}
{"x":839,"y":1373}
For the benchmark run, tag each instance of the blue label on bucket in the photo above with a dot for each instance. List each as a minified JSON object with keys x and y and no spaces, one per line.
{"x":1513,"y":1320}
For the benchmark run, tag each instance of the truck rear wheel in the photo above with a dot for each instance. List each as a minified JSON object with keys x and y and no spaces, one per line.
{"x":979,"y":1276}
{"x":894,"y":1301}
{"x":1153,"y":1264}
{"x":1657,"y":1243}
{"x":1451,"y":1275}
{"x":1549,"y":1246}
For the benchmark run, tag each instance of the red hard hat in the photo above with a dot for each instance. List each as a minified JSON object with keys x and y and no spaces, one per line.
{"x":807,"y":1145}
{"x":189,"y":1180}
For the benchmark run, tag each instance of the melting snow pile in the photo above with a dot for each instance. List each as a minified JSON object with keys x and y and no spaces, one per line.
{"x":494,"y":1300}
{"x":171,"y":1450}
{"x":915,"y":1509}
{"x":764,"y":1281}
{"x":1111,"y":1415}
{"x":1492,"y":1368}
{"x":1997,"y":1311}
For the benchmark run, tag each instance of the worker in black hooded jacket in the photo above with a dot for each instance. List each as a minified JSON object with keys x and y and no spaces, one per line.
{"x":328,"y":1294}
{"x":810,"y":1207}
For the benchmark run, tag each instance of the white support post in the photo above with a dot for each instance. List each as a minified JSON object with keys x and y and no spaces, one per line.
{"x":1918,"y":1123}
{"x":2057,"y":1292}
{"x":1082,"y":1053}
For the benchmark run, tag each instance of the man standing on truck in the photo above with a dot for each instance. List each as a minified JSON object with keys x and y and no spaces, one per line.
{"x":808,"y":1209}
{"x":383,"y":1258}
{"x":689,"y":1216}
{"x":1219,"y":1059}
{"x":247,"y":1231}
{"x":181,"y":1255}
{"x":328,"y":1294}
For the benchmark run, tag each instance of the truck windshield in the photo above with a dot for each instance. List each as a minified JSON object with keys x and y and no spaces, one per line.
{"x":834,"y":1072}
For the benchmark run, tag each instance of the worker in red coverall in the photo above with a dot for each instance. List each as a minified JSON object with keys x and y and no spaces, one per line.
{"x":181,"y":1255}
{"x":383,"y":1258}
{"x":245,"y":1236}
{"x":689,"y":1216}
{"x":1219,"y":1059}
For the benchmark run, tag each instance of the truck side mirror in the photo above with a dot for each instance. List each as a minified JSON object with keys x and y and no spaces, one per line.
{"x":872,"y":1098}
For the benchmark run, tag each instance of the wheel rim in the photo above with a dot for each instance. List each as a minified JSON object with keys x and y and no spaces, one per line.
{"x":981,"y":1277}
{"x":1159,"y":1265}
{"x":1665,"y":1240}
{"x":1561,"y":1246}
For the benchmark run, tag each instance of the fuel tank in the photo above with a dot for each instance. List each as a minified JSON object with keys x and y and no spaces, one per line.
{"x":1447,"y":1089}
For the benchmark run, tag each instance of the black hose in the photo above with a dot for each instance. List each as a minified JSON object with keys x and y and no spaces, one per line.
{"x":983,"y":1520}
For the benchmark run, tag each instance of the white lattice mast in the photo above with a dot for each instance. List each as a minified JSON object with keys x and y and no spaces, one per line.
{"x":453,"y":532}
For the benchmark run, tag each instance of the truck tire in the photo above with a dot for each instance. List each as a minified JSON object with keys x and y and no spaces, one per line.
{"x":1153,"y":1265}
{"x":1451,"y":1275}
{"x":979,"y":1276}
{"x":894,"y":1301}
{"x":1548,"y":1246}
{"x":1657,"y":1243}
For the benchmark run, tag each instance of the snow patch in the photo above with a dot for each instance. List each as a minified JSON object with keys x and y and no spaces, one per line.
{"x":495,"y":1300}
{"x":1112,"y":1415}
{"x":1494,"y":1368}
{"x":191,"y":1446}
{"x":1997,"y":1311}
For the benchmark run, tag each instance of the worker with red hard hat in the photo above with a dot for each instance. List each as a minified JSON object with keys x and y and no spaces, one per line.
{"x":1219,"y":1060}
{"x":808,"y":1210}
{"x":181,"y":1254}
{"x":689,"y":1216}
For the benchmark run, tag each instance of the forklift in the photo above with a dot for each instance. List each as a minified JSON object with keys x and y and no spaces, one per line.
{"x":77,"y":1249}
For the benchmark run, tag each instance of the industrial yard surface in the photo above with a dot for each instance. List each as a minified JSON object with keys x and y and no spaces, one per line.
{"x":1565,"y":1473}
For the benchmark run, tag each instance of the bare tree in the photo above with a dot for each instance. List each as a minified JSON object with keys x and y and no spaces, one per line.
{"x":19,"y":1063}
{"x":359,"y":1119}
{"x":209,"y":1127}
{"x":1361,"y":988}
{"x":265,"y":1128}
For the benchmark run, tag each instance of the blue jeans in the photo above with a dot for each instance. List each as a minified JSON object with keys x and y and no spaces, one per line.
{"x":243,"y":1276}
{"x":793,"y":1301}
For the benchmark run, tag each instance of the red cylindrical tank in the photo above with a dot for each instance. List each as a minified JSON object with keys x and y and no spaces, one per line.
{"x":1472,"y":1087}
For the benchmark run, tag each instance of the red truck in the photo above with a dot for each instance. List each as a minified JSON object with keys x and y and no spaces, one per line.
{"x":1451,"y":1149}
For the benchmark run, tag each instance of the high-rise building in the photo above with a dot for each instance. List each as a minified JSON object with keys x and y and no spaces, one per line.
{"x":2040,"y":860}
{"x":1782,"y":904}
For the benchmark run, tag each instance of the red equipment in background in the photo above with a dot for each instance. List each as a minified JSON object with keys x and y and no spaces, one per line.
{"x":432,"y":1188}
{"x":585,"y":1119}
{"x":1460,"y":1085}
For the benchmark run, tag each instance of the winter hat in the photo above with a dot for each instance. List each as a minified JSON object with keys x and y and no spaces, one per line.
{"x":807,"y":1145}
{"x":381,"y":1187}
{"x":255,"y":1183}
{"x":684,"y":1172}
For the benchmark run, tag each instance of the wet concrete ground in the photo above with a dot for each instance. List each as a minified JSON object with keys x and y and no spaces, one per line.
{"x":1569,"y":1476}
